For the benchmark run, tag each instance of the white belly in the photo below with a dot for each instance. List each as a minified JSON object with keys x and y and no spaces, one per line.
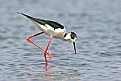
{"x":54,"y":34}
{"x":47,"y":29}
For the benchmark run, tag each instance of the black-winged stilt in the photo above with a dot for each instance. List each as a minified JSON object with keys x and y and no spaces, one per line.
{"x":52,"y":29}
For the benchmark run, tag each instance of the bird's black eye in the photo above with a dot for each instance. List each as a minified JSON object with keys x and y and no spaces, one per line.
{"x":73,"y":35}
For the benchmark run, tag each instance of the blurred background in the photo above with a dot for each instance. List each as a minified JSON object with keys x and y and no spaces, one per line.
{"x":97,"y":24}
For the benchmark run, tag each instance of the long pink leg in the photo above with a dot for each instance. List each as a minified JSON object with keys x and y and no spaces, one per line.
{"x":28,"y":39}
{"x":46,"y":51}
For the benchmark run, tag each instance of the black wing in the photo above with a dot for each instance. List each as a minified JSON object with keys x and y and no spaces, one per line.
{"x":53,"y":24}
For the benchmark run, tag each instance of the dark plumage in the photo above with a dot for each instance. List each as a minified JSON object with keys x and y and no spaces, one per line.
{"x":73,"y":35}
{"x":53,"y":24}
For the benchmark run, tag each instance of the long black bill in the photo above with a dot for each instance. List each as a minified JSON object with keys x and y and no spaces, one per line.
{"x":74,"y":47}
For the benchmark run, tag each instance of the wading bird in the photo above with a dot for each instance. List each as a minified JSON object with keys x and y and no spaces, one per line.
{"x":52,"y":29}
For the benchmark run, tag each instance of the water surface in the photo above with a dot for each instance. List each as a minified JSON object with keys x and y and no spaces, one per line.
{"x":98,"y":27}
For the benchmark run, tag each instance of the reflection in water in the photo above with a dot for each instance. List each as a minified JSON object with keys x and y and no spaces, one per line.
{"x":54,"y":75}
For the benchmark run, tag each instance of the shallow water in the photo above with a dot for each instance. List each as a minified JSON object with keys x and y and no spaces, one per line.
{"x":98,"y":27}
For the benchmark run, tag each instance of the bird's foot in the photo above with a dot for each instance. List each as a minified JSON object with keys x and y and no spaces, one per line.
{"x":48,"y":67}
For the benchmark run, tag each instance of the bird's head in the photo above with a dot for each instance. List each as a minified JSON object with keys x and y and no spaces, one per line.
{"x":72,"y":37}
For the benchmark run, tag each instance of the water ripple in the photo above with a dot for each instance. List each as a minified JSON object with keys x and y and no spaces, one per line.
{"x":97,"y":24}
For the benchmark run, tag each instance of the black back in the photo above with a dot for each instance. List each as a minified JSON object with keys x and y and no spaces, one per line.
{"x":53,"y":24}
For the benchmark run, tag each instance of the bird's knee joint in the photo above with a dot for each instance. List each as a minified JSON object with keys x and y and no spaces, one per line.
{"x":28,"y":38}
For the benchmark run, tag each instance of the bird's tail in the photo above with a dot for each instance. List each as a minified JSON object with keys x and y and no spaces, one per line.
{"x":25,"y":15}
{"x":36,"y":21}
